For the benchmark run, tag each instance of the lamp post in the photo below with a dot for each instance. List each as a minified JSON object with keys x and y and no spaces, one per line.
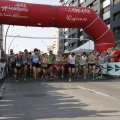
{"x":14,"y":46}
{"x":11,"y":43}
{"x":45,"y":45}
{"x":6,"y":36}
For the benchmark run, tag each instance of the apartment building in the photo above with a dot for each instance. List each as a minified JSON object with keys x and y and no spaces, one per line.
{"x":108,"y":10}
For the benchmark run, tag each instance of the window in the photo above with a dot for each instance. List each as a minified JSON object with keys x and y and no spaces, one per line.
{"x":106,"y":9}
{"x":72,"y":45}
{"x":116,"y":30}
{"x":115,"y":2}
{"x":65,"y":40}
{"x":65,"y":48}
{"x":107,"y":21}
{"x":92,"y":4}
{"x":73,"y":1}
{"x":116,"y":16}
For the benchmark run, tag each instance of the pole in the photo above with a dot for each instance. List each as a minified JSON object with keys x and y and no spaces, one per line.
{"x":14,"y":46}
{"x":45,"y":44}
{"x":6,"y":37}
{"x":43,"y":37}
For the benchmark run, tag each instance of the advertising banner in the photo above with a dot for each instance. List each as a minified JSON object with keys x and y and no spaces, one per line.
{"x":111,"y":69}
{"x":104,"y":68}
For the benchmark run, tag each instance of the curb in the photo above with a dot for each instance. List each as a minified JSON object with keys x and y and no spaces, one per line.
{"x":2,"y":88}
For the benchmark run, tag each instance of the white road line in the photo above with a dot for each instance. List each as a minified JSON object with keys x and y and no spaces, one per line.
{"x":92,"y":91}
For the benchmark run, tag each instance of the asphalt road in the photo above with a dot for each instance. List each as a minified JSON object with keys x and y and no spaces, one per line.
{"x":78,"y":100}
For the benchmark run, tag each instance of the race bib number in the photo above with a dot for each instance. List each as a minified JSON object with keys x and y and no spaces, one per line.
{"x":18,"y":64}
{"x":36,"y":59}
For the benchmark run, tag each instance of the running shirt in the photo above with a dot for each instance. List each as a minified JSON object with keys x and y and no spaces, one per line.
{"x":29,"y":60}
{"x":25,"y":59}
{"x":35,"y":58}
{"x":11,"y":58}
{"x":18,"y":63}
{"x":50,"y":59}
{"x":101,"y":60}
{"x":45,"y":60}
{"x":71,"y":59}
{"x":83,"y":60}
{"x":64,"y":61}
{"x":92,"y":60}
{"x":58,"y":59}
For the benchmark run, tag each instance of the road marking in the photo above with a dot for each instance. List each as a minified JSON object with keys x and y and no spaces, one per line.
{"x":92,"y":91}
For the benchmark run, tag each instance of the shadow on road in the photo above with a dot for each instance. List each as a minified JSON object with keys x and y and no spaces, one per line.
{"x":35,"y":101}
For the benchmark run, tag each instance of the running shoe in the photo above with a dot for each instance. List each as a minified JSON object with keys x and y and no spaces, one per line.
{"x":62,"y":76}
{"x":93,"y":78}
{"x":17,"y":81}
{"x":96,"y":77}
{"x":69,"y":79}
{"x":56,"y":77}
{"x":25,"y":79}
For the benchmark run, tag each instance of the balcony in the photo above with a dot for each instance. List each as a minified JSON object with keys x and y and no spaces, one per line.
{"x":117,"y":36}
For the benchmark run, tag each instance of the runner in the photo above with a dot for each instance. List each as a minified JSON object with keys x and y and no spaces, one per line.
{"x":71,"y":66}
{"x":18,"y":66}
{"x":24,"y":64}
{"x":101,"y":60}
{"x":40,"y":70}
{"x":57,"y":63}
{"x":92,"y":63}
{"x":50,"y":64}
{"x":64,"y":64}
{"x":35,"y":63}
{"x":83,"y":63}
{"x":11,"y":62}
{"x":45,"y":62}
{"x":29,"y":62}
{"x":77,"y":62}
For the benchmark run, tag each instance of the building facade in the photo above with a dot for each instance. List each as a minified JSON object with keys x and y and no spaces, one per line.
{"x":108,"y":10}
{"x":56,"y":43}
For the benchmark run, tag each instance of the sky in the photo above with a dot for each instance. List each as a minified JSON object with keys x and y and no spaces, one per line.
{"x":19,"y":44}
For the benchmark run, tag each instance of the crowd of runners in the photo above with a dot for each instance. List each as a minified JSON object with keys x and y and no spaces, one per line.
{"x":49,"y":66}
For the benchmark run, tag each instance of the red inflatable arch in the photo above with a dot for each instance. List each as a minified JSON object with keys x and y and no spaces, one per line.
{"x":25,"y":14}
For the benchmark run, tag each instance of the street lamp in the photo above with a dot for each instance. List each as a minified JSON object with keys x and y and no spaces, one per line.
{"x":11,"y":43}
{"x":45,"y":45}
{"x":14,"y":46}
{"x":6,"y":36}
